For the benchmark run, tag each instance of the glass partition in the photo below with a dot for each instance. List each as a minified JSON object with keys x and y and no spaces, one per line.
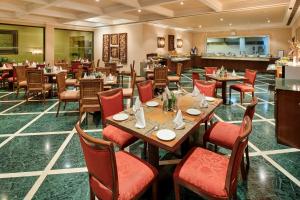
{"x":20,"y":43}
{"x":72,"y":45}
{"x":238,"y":46}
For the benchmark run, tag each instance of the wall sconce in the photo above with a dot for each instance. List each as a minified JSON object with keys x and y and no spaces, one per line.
{"x":179,"y":43}
{"x":160,"y":42}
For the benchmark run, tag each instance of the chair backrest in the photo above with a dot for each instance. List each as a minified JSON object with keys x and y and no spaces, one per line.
{"x":195,"y":76}
{"x":75,"y":65}
{"x":20,"y":73}
{"x":179,"y":69}
{"x":111,"y":102}
{"x":250,"y":110}
{"x":205,"y":87}
{"x":145,"y":90}
{"x":79,"y":72}
{"x":35,"y":79}
{"x":101,"y":164}
{"x":210,"y":70}
{"x":89,"y":89}
{"x":61,"y":82}
{"x":250,"y":76}
{"x":237,"y":155}
{"x":132,"y":82}
{"x":98,"y":63}
{"x":161,"y":75}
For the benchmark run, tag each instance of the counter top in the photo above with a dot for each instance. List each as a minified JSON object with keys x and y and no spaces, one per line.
{"x":236,"y":58}
{"x":179,"y":59}
{"x":287,"y":84}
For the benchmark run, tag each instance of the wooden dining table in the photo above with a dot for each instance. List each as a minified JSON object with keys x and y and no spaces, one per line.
{"x":224,"y":80}
{"x":155,"y":116}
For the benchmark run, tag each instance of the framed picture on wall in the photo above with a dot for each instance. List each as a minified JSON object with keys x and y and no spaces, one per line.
{"x":8,"y":42}
{"x":114,"y":52}
{"x":105,"y":49}
{"x":114,"y":39}
{"x":123,"y":47}
{"x":298,"y":34}
{"x":171,"y":42}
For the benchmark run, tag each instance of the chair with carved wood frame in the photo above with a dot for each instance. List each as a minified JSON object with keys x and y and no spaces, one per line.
{"x":107,"y":177}
{"x":128,"y":92}
{"x":88,"y":95}
{"x":160,"y":77}
{"x":177,"y":77}
{"x":21,"y":78}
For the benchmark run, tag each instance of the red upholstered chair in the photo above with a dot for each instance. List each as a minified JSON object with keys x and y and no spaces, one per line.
{"x":113,"y":175}
{"x":247,"y":86}
{"x":145,"y":90}
{"x":208,"y":89}
{"x":211,"y":70}
{"x":211,"y":175}
{"x":111,"y":102}
{"x":195,"y":76}
{"x":224,"y":134}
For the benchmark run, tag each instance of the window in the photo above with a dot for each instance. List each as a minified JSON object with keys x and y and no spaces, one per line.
{"x":72,"y":45}
{"x":20,"y":43}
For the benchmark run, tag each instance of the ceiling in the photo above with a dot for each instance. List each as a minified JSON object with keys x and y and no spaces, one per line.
{"x":199,"y":15}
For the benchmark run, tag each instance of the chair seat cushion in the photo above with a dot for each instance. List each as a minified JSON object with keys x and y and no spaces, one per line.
{"x":69,"y":95}
{"x":222,"y":134}
{"x":5,"y":75}
{"x":11,"y":79}
{"x":127,"y":92}
{"x":47,"y":86}
{"x":132,"y":183}
{"x":218,"y":84}
{"x":139,"y":79}
{"x":205,"y":171}
{"x":118,"y":136}
{"x":71,"y":82}
{"x":173,"y":78}
{"x":23,"y":83}
{"x":242,"y":87}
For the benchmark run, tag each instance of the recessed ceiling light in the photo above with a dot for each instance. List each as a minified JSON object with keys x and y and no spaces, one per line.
{"x":230,"y":24}
{"x":97,"y":0}
{"x":139,"y":10}
{"x":221,"y":19}
{"x":269,"y":21}
{"x":200,"y":26}
{"x":181,"y":3}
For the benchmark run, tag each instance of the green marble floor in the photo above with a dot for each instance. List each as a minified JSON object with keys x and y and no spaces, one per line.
{"x":41,"y":156}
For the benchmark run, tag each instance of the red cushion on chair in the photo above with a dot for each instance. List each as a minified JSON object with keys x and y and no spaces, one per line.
{"x":5,"y":75}
{"x":112,"y":104}
{"x":145,"y":92}
{"x":134,"y":175}
{"x":222,"y":134}
{"x":207,"y":90}
{"x":118,"y":136}
{"x":242,"y":87}
{"x":11,"y":79}
{"x":218,"y":84}
{"x":205,"y":171}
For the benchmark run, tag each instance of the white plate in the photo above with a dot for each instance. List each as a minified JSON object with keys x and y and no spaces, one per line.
{"x":210,"y":98}
{"x":193,"y":111}
{"x":120,"y":117}
{"x":166,"y":134}
{"x":152,"y":103}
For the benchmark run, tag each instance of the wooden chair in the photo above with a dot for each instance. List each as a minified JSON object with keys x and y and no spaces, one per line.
{"x":138,"y":79}
{"x":107,"y":177}
{"x":111,"y":102}
{"x":211,"y":175}
{"x":195,"y":76}
{"x":88,"y":95}
{"x":21,"y":78}
{"x":208,"y":89}
{"x":176,"y":78}
{"x":128,"y":92}
{"x":98,"y":63}
{"x":247,"y":86}
{"x":36,"y":83}
{"x":224,"y":134}
{"x":63,"y":94}
{"x":160,"y":77}
{"x":145,"y":90}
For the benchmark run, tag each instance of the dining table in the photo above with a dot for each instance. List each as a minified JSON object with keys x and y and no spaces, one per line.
{"x":156,"y":117}
{"x":224,"y":80}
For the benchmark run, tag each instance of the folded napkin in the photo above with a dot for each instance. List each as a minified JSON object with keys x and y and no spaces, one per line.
{"x":200,"y":97}
{"x":85,"y":75}
{"x":27,"y":62}
{"x":203,"y":102}
{"x":178,"y":121}
{"x":195,"y":92}
{"x":137,"y":105}
{"x":140,"y":118}
{"x":33,"y":64}
{"x":168,"y":92}
{"x":4,"y":65}
{"x":233,"y":73}
{"x":110,"y":77}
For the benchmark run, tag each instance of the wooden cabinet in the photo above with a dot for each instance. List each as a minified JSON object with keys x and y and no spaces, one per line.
{"x":287,"y":116}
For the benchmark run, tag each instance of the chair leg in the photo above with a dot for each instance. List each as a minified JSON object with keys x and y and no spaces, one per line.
{"x":154,"y":190}
{"x":252,"y":95}
{"x":243,"y":170}
{"x":65,"y":105}
{"x":229,"y":94}
{"x":177,"y":191}
{"x":241,"y":98}
{"x":18,"y":88}
{"x":205,"y":126}
{"x":58,"y":108}
{"x":44,"y":97}
{"x":247,"y":158}
{"x":92,"y":195}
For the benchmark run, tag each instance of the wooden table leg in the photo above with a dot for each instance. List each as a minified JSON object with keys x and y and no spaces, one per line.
{"x":224,"y":91}
{"x":153,"y":155}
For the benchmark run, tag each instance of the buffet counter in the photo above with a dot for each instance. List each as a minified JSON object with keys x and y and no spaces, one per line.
{"x":237,"y":63}
{"x":173,"y":61}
